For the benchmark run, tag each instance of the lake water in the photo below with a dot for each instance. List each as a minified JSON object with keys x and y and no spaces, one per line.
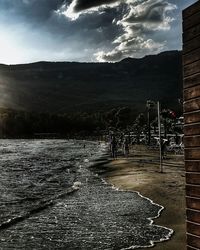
{"x":51,"y":199}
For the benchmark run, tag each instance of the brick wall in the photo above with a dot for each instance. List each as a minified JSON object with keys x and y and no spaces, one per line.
{"x":191,"y":94}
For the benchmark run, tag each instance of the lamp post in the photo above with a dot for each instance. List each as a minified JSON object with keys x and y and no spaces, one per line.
{"x":160,"y":138}
{"x":150,"y":104}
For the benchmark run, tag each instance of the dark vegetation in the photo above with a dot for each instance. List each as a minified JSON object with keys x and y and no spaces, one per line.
{"x":84,"y":98}
{"x":32,"y":124}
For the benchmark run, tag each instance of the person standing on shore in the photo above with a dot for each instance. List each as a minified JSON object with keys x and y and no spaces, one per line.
{"x":163,"y":147}
{"x":113,"y":146}
{"x":126,"y":147}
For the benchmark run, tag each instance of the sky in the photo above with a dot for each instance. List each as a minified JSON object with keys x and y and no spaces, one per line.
{"x":88,"y":30}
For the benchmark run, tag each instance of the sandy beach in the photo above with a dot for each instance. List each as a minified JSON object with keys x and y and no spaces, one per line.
{"x":140,"y":172}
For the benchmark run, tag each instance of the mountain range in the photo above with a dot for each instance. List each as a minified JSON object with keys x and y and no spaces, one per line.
{"x":59,"y":87}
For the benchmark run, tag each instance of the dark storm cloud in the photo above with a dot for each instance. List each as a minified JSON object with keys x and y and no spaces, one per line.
{"x":80,"y":5}
{"x":88,"y":30}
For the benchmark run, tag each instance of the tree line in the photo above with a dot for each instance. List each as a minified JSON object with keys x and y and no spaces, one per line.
{"x":23,"y":124}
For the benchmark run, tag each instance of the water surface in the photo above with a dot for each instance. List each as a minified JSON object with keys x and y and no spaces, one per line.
{"x":51,"y":199}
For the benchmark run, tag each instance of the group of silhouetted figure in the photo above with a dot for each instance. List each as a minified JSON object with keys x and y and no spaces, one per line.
{"x":122,"y":143}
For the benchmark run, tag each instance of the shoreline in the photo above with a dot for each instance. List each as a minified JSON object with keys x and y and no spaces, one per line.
{"x":140,"y":173}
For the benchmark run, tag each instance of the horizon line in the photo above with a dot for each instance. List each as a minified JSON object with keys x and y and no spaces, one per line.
{"x":95,"y":62}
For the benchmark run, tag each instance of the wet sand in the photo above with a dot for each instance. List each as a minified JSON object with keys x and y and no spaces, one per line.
{"x":140,"y":172}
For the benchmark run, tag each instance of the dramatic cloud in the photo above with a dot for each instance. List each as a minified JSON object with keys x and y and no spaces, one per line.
{"x":136,"y":22}
{"x":140,"y":21}
{"x":133,"y":47}
{"x":88,"y":30}
{"x":80,"y":7}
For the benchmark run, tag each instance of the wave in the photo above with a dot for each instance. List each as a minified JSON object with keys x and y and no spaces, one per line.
{"x":42,"y":206}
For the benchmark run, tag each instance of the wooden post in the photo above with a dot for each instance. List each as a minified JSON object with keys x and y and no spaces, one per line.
{"x":149,"y":126}
{"x":148,"y":107}
{"x":160,"y":137}
{"x":191,"y":94}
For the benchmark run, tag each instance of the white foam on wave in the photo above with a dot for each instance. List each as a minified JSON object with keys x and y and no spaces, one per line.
{"x":104,"y":148}
{"x":102,"y":152}
{"x":76,"y":185}
{"x":151,"y":219}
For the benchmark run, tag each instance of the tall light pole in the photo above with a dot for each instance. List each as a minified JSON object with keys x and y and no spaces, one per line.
{"x":150,"y":104}
{"x":160,"y":138}
{"x":148,"y":124}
